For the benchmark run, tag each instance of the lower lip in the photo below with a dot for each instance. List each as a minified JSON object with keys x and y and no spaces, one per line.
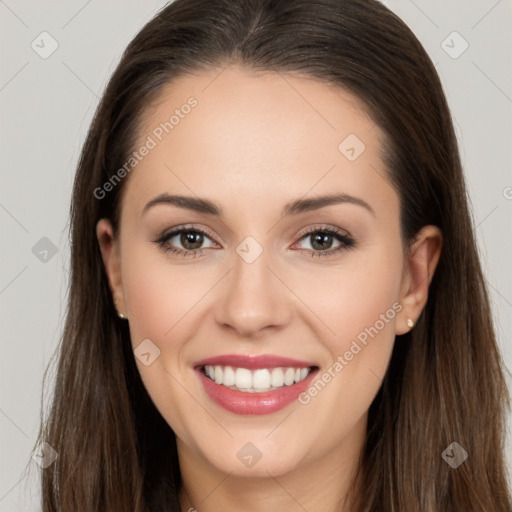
{"x":264,"y":402}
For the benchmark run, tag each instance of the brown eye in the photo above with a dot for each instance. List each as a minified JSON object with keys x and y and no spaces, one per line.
{"x":321,"y":241}
{"x":185,"y":241}
{"x":326,"y":241}
{"x":191,"y":240}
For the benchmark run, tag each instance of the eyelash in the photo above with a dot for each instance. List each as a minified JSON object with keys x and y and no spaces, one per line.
{"x":346,"y":241}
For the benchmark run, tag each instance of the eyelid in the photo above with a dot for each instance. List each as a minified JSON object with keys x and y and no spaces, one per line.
{"x":188,"y":227}
{"x":324,"y":227}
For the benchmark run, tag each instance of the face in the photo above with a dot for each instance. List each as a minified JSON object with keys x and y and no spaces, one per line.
{"x":279,"y":271}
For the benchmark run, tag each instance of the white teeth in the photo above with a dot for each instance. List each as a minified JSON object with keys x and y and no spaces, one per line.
{"x":209,"y":371}
{"x":229,"y":376}
{"x":277,"y":378}
{"x":218,"y":375}
{"x":255,"y":381}
{"x":289,"y":376}
{"x":261,"y":379}
{"x":243,"y":378}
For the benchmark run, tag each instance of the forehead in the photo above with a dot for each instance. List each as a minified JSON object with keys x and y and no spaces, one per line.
{"x":236,"y":131}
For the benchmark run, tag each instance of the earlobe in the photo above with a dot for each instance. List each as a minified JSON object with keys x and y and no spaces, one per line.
{"x":111,"y":261}
{"x":422,"y":260}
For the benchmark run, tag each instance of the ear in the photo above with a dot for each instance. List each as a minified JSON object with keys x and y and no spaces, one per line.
{"x":110,"y":253}
{"x":422,"y":259}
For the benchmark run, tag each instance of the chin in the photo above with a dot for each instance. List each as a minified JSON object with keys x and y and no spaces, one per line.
{"x":250,"y":461}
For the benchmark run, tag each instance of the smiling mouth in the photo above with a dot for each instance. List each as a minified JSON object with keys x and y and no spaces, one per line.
{"x":256,"y":381}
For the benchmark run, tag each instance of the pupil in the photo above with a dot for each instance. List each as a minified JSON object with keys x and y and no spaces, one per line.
{"x":191,"y":240}
{"x":322,"y":238}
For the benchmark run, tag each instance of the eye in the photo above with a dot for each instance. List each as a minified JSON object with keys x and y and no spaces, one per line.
{"x":325,"y":241}
{"x":186,"y":241}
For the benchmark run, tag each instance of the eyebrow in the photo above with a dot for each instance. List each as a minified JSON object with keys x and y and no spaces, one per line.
{"x":294,"y":207}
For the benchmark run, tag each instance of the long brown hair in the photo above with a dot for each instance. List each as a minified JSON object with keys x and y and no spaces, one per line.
{"x":445,"y":381}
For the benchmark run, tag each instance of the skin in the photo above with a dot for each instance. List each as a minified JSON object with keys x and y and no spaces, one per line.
{"x":254,"y":142}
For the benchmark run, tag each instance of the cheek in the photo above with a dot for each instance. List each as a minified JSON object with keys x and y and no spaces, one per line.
{"x":163,"y":302}
{"x":159,"y":295}
{"x":360,"y":305}
{"x":160,"y":300}
{"x":350,"y":298}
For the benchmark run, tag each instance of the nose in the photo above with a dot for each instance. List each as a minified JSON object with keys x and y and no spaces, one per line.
{"x":253,"y":300}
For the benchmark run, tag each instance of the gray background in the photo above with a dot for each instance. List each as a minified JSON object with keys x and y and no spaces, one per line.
{"x":46,"y":105}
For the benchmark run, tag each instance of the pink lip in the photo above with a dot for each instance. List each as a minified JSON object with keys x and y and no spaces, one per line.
{"x":240,"y":402}
{"x":253,"y":362}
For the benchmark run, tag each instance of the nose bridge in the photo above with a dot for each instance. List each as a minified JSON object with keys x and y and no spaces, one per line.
{"x":251,"y":299}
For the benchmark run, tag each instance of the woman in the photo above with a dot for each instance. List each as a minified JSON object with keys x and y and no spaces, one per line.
{"x":276,"y":301}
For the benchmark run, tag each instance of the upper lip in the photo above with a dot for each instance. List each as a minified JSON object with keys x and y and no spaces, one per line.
{"x":253,"y":361}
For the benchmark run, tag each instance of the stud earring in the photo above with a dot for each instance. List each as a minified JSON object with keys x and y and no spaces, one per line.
{"x":120,"y":315}
{"x":410,"y":323}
